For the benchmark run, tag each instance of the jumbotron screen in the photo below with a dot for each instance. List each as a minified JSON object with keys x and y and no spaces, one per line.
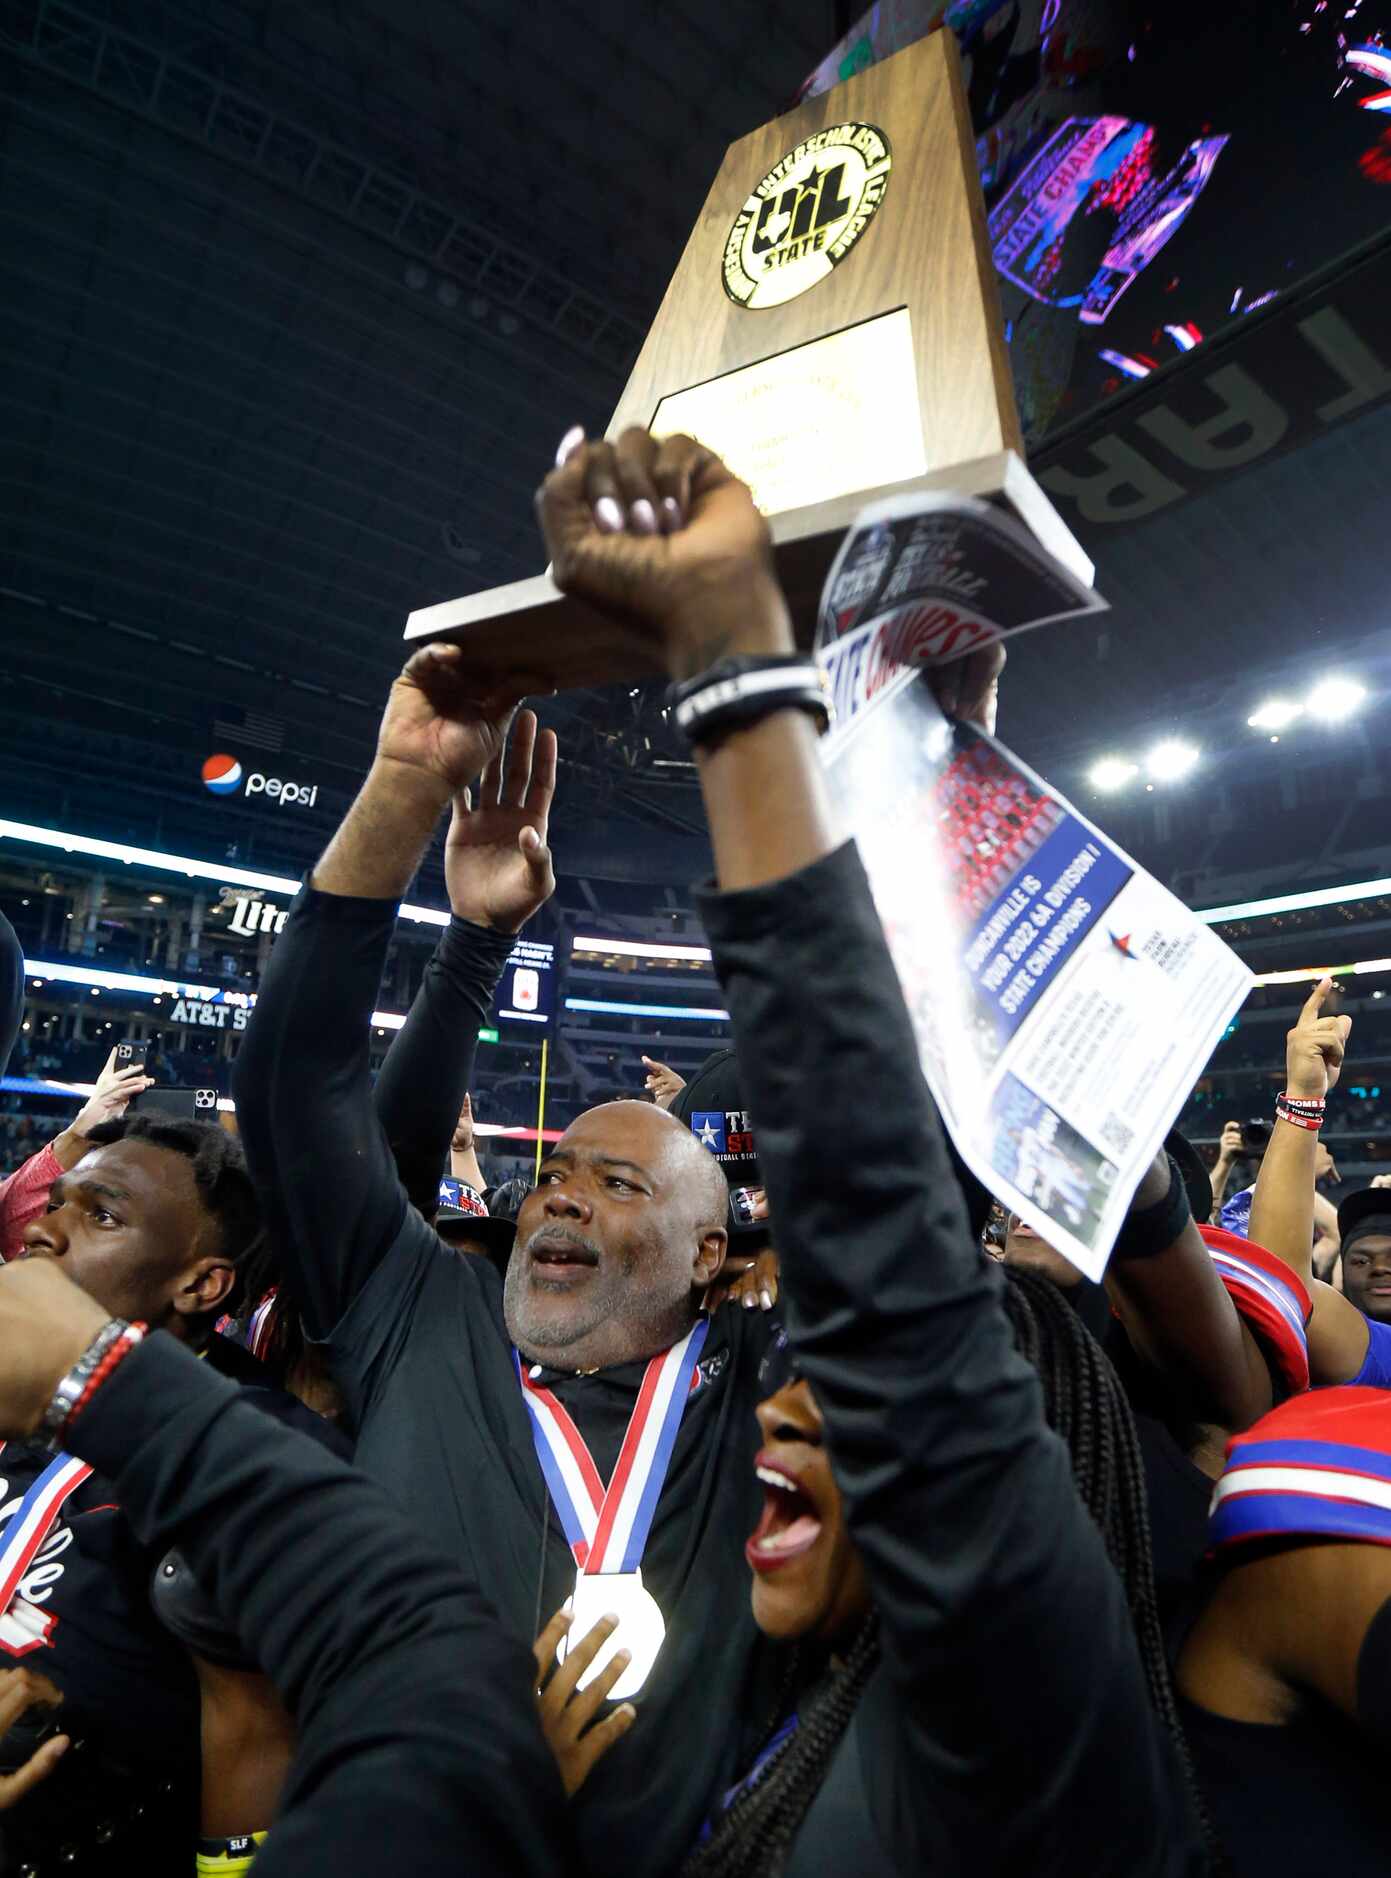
{"x":1154,"y":172}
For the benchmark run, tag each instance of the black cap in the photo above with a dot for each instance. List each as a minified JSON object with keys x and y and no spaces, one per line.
{"x":712,"y":1107}
{"x":1366,"y":1211}
{"x":463,"y":1215}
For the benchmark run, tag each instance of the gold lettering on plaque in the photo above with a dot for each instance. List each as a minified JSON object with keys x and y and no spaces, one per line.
{"x":823,"y":420}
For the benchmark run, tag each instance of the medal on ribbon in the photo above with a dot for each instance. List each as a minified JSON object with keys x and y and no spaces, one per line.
{"x":607,"y":1527}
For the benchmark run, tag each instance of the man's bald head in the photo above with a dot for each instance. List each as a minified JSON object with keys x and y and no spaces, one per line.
{"x":619,"y":1239}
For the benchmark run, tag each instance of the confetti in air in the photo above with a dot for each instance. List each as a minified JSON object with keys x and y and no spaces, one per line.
{"x":1372,"y":62}
{"x":1132,"y":368}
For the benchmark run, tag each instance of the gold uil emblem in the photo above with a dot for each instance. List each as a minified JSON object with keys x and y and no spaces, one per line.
{"x":806,"y":215}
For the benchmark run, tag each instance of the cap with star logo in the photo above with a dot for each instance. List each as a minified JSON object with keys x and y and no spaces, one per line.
{"x":712,"y":1106}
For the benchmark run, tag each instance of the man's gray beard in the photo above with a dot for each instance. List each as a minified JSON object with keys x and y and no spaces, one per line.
{"x":548,"y":1336}
{"x":647,"y":1321}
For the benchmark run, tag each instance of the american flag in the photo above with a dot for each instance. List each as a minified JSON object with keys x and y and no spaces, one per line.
{"x":256,"y":728}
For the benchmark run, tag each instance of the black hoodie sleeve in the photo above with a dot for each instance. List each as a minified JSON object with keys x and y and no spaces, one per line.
{"x":315,"y":1145}
{"x":422,"y":1084}
{"x":417,"y":1723}
{"x":1021,"y":1736}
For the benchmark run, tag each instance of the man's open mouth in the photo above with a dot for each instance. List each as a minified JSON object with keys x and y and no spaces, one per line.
{"x":790,"y":1525}
{"x":556,"y":1256}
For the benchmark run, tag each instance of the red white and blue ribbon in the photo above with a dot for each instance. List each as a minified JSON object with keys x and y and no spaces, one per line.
{"x":261,"y":1328}
{"x":1319,"y":1464}
{"x":28,"y":1529}
{"x":1269,"y":1295}
{"x":607,"y":1527}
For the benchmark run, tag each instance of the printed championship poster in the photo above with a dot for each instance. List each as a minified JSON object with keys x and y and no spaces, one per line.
{"x":1064,"y":1002}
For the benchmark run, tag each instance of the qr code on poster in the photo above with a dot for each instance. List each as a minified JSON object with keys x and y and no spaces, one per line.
{"x":1117,"y":1134}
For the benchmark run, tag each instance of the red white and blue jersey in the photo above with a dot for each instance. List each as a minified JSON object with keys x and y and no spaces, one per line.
{"x":1270,"y":1297}
{"x":1319,"y":1464}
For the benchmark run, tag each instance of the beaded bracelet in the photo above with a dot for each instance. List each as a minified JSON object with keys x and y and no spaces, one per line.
{"x":111,"y":1345}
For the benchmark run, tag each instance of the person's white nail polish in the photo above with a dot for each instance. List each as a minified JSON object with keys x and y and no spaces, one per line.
{"x":608,"y":517}
{"x":643,"y":517}
{"x":569,"y":443}
{"x":671,"y":514}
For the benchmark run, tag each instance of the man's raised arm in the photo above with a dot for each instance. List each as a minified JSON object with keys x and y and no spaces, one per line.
{"x":314,"y":1144}
{"x":1282,"y":1206}
{"x":422,"y":1084}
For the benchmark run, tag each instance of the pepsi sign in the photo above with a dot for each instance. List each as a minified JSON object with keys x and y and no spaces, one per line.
{"x":222,"y":774}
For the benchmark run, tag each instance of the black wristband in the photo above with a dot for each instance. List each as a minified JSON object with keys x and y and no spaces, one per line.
{"x":1155,"y":1228}
{"x":739,"y":691}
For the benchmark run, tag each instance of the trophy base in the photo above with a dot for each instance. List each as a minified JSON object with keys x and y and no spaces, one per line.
{"x":533,"y":627}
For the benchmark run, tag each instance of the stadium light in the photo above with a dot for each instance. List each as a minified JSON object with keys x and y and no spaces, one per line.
{"x":37,"y":970}
{"x":1275,"y":714}
{"x":1335,"y":699}
{"x":1111,"y":773}
{"x":609,"y":1007}
{"x":1295,"y":902}
{"x":77,"y":1091}
{"x":639,"y":949}
{"x":220,"y":871}
{"x":1170,"y":761}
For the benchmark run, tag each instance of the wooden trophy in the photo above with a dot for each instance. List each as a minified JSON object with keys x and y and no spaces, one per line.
{"x":833,"y":331}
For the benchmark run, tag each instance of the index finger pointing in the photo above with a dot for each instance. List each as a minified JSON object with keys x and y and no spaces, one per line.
{"x":1314,"y":1003}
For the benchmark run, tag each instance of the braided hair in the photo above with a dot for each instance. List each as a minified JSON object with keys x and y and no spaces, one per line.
{"x":1086,"y":1407}
{"x":755,"y":1832}
{"x":224,"y":1186}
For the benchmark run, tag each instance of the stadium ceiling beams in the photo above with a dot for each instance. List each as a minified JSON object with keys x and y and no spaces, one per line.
{"x":532,"y":302}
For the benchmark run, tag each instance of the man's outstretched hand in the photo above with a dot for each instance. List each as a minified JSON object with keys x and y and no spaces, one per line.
{"x":497,"y":865}
{"x":660,"y":534}
{"x":445,"y":723}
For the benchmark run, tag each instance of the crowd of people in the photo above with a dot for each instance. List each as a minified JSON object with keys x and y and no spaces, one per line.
{"x":767,"y":1506}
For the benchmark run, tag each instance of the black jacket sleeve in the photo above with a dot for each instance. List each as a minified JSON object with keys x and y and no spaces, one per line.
{"x":11,"y":989}
{"x":422,"y":1084}
{"x":1022,"y":1710}
{"x":418,"y":1730}
{"x":321,"y":1162}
